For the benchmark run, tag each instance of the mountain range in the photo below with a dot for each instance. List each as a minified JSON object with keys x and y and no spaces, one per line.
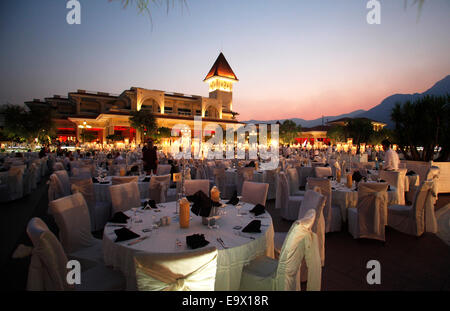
{"x":380,"y":112}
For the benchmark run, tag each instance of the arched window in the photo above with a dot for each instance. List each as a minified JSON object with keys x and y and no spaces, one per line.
{"x":151,"y":105}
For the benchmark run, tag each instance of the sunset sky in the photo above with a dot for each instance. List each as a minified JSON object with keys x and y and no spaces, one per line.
{"x":294,"y":58}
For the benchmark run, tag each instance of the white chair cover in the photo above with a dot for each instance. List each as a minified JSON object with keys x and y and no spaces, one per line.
{"x":293,"y":180}
{"x":411,"y":219}
{"x":194,"y":185}
{"x":124,"y":179}
{"x":65,"y":181}
{"x":15,"y":182}
{"x":163,"y":169}
{"x":125,"y":196}
{"x":270,"y":177}
{"x":158,"y":188}
{"x":82,"y":172}
{"x":71,"y":214}
{"x":315,"y":201}
{"x":301,"y":243}
{"x":321,"y":172}
{"x":325,"y":189}
{"x":368,"y":219}
{"x":243,"y":174}
{"x":254,"y":193}
{"x":186,"y":271}
{"x":288,"y":205}
{"x":396,"y":179}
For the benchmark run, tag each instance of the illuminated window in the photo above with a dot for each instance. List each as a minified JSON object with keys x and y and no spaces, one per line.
{"x":184,"y":111}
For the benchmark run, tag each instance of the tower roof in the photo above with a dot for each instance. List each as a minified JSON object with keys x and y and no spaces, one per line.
{"x":221,"y":68}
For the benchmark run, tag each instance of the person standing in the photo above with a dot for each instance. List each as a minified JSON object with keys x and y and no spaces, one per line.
{"x":150,"y":158}
{"x":391,"y":159}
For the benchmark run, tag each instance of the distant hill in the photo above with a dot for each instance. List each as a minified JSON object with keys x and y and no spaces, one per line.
{"x":382,"y":112}
{"x":311,"y":123}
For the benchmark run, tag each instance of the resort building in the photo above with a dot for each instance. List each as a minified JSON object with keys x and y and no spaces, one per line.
{"x":104,"y":114}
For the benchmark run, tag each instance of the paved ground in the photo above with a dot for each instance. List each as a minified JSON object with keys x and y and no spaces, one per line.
{"x":407,"y":263}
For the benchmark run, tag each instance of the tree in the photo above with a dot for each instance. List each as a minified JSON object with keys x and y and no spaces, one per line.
{"x":360,"y":130}
{"x":144,"y":121}
{"x":378,"y":136}
{"x":289,"y":131}
{"x":25,"y":126}
{"x":337,"y":133}
{"x":423,"y":125}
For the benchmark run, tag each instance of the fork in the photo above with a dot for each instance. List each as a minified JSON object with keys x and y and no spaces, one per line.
{"x":221,"y":243}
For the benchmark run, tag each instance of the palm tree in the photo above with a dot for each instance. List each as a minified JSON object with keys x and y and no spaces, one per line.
{"x":143,"y":6}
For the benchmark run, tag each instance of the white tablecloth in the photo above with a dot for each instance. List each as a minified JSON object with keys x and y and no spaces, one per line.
{"x":348,"y":198}
{"x":241,"y":249}
{"x":102,"y":193}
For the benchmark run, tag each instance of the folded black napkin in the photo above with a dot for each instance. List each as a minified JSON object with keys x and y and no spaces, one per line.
{"x":234,"y":199}
{"x":368,"y":172}
{"x":146,"y":179}
{"x":196,"y":241}
{"x":152,"y":204}
{"x":357,"y":176}
{"x":119,"y":218}
{"x":202,"y":204}
{"x":251,"y":164}
{"x":411,"y":173}
{"x":253,"y":227}
{"x":94,"y":180}
{"x":258,"y":210}
{"x":124,"y":234}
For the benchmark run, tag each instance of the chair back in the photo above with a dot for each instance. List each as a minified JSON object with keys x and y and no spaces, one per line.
{"x":163,"y":169}
{"x":47,"y":270}
{"x":193,"y":270}
{"x":282,"y":192}
{"x":124,"y":179}
{"x":63,"y":177}
{"x":220,"y":178}
{"x":71,"y":214}
{"x":159,"y":185}
{"x":293,"y":180}
{"x":300,"y":243}
{"x":194,"y":185}
{"x":255,"y":193}
{"x":243,"y":174}
{"x":321,"y":172}
{"x":421,"y":196}
{"x":325,"y":189}
{"x":372,"y":210}
{"x":124,"y":196}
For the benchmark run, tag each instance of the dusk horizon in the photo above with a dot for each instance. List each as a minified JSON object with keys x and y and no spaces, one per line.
{"x":312,"y":59}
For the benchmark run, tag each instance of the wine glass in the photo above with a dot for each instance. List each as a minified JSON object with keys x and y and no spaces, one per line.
{"x":238,"y":207}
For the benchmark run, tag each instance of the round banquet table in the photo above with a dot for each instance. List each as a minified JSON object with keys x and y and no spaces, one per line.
{"x":241,"y":247}
{"x":102,"y":193}
{"x":346,"y":198}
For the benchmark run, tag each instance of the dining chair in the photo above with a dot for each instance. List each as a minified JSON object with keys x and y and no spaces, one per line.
{"x":63,"y":176}
{"x":220,"y":180}
{"x":100,"y":212}
{"x":313,"y":200}
{"x":294,"y":184}
{"x":71,"y":214}
{"x":254,"y":192}
{"x":48,"y":267}
{"x":124,"y":179}
{"x":396,"y":179}
{"x":265,"y":273}
{"x":321,"y":172}
{"x":368,"y":219}
{"x":410,"y":219}
{"x":243,"y":174}
{"x":331,"y":213}
{"x":194,"y":185}
{"x":193,"y":270}
{"x":163,"y":169}
{"x":289,"y":205}
{"x":159,"y":185}
{"x":124,"y":197}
